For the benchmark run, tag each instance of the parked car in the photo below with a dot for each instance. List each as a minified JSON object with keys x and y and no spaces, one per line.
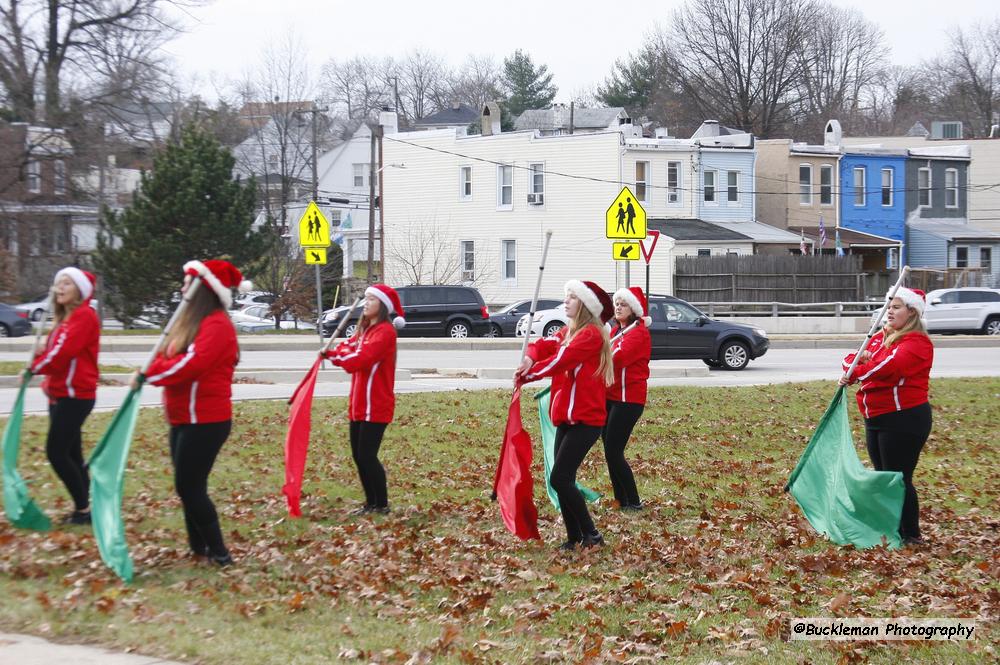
{"x":253,"y":298}
{"x":261,"y":314}
{"x":432,"y":310}
{"x":36,"y":308}
{"x":545,"y":323}
{"x":504,"y":322}
{"x":680,"y":331}
{"x":966,"y":309}
{"x":13,"y":321}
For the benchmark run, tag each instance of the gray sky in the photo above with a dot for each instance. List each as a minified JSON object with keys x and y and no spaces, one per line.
{"x":579,"y":40}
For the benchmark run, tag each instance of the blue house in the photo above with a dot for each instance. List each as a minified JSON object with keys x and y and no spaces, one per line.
{"x":873,"y":193}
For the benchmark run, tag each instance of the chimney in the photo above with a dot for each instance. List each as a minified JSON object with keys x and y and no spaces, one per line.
{"x":833,"y":135}
{"x":661,"y":133}
{"x":490,"y":119}
{"x":708,"y":128}
{"x":389,"y":121}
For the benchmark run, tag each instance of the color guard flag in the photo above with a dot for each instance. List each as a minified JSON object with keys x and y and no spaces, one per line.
{"x":842,"y":499}
{"x":297,"y":439}
{"x":549,"y":450}
{"x":822,"y":235}
{"x":513,"y":484}
{"x":840,"y":249}
{"x":18,"y":505}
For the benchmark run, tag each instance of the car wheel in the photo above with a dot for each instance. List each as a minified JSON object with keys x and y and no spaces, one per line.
{"x":734,"y":355}
{"x":458,"y":330}
{"x":493,"y":331}
{"x":992,"y":326}
{"x":350,"y":329}
{"x":552,"y":328}
{"x":37,"y":314}
{"x":712,"y":362}
{"x":4,"y":330}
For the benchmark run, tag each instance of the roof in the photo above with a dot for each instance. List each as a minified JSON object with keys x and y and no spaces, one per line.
{"x":454,"y":115}
{"x":557,"y":117}
{"x":848,"y":237}
{"x":953,"y":230}
{"x":943,"y":152}
{"x":761,"y":233}
{"x":693,"y":229}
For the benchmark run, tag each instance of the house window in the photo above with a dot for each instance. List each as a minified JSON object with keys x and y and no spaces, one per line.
{"x":468,"y":260}
{"x":961,"y":257}
{"x":709,"y":186}
{"x":704,"y":252}
{"x":859,"y":186}
{"x":34,"y":176}
{"x":536,"y":179}
{"x":805,"y":184}
{"x":951,"y":188}
{"x":673,"y":183}
{"x":986,"y":258}
{"x":826,"y":185}
{"x":924,"y":187}
{"x":733,"y":186}
{"x":359,"y":174}
{"x":886,"y":187}
{"x":509,"y":268}
{"x":59,"y":182}
{"x":505,"y":186}
{"x":641,"y":178}
{"x":465,"y":183}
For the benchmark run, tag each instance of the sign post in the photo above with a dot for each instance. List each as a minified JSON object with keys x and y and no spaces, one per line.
{"x":314,"y":238}
{"x":625,"y":220}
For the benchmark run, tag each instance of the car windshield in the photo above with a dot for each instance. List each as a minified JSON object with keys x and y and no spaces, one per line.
{"x":522,"y":305}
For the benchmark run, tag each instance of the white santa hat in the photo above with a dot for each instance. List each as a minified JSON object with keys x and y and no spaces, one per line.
{"x":84,"y":281}
{"x":636,"y":301}
{"x":220,"y":276}
{"x":912,"y":298}
{"x":593,"y":297}
{"x":388,"y":297}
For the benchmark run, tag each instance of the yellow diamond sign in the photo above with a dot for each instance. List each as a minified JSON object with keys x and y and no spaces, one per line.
{"x":626,"y":219}
{"x":314,"y":230}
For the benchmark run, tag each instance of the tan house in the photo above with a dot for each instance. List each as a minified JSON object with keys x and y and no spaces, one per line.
{"x":797,"y":185}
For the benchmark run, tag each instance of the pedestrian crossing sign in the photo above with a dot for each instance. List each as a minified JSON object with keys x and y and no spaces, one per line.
{"x":314,"y":230}
{"x":625,"y":251}
{"x":626,"y":218}
{"x":315,"y":256}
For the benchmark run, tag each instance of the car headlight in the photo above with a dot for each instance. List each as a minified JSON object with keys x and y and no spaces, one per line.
{"x":761,"y":332}
{"x":537,"y":317}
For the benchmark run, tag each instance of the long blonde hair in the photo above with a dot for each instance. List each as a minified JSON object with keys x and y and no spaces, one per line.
{"x":915,"y":325}
{"x":203,"y":302}
{"x":584,"y":317}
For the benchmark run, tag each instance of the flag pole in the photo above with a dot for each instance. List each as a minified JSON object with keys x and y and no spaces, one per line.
{"x":877,"y":323}
{"x":340,"y":326}
{"x":170,"y":324}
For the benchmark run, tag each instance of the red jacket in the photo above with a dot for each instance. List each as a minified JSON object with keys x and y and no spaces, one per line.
{"x":894,"y":378}
{"x":198,"y":383}
{"x":630,"y":353}
{"x":578,"y":390}
{"x":370,"y":358}
{"x":69,"y":359}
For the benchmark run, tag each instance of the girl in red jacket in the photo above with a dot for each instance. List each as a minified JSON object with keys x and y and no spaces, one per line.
{"x":69,"y":363}
{"x":578,"y":358}
{"x":370,"y":357}
{"x":195,"y":367}
{"x":626,"y":397}
{"x":893,"y":372}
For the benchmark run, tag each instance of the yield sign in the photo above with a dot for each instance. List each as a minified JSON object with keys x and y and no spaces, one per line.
{"x":647,"y":255}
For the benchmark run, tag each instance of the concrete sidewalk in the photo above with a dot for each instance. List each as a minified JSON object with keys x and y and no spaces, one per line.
{"x":30,"y":650}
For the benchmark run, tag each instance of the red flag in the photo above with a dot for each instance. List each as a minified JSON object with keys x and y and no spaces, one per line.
{"x":514,"y":486}
{"x":297,"y":439}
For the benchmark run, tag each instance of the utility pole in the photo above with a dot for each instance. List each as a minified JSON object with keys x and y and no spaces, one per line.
{"x":315,"y":195}
{"x":380,"y":130}
{"x":372,"y":173}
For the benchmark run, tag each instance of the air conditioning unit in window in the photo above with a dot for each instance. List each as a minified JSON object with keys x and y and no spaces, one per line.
{"x":536,"y":199}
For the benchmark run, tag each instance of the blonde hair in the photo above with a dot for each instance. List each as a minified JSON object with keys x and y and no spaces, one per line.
{"x":915,"y":325}
{"x":61,"y":312}
{"x":584,"y":317}
{"x":203,"y":302}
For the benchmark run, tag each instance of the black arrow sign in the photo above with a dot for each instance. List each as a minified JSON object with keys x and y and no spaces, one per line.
{"x":626,"y":250}
{"x":315,"y":256}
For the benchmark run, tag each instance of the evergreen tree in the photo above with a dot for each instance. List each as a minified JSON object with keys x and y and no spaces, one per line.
{"x":187,"y":207}
{"x":527,"y":87}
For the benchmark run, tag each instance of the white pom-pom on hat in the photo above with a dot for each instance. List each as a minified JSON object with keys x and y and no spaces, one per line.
{"x":399,"y":323}
{"x":246,"y":286}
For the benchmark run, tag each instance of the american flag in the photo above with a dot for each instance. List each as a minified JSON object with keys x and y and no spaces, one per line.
{"x":822,"y":235}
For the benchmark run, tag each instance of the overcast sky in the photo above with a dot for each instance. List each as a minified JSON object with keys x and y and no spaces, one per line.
{"x":578,"y":39}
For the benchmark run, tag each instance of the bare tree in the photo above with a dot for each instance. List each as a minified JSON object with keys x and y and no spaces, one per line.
{"x":735,"y":59}
{"x":476,"y":82}
{"x":359,"y":86}
{"x":428,"y":254}
{"x":969,"y":76}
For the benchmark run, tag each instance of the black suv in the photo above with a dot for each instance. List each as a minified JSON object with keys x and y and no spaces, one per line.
{"x":454,"y":311}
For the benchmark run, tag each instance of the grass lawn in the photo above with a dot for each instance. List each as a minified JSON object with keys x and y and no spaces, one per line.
{"x":11,"y":367}
{"x":712,"y":570}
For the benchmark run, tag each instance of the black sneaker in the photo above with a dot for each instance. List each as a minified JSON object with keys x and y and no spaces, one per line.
{"x":632,"y":508}
{"x":593,"y":540}
{"x":914,"y":541}
{"x":381,"y":510}
{"x":363,"y":510}
{"x":77,"y":517}
{"x":568,"y":546}
{"x":222,"y":560}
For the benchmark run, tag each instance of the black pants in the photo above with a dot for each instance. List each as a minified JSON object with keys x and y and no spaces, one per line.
{"x":366,"y":439}
{"x":622,"y":417}
{"x":573,"y":442}
{"x":64,"y":446}
{"x":193,"y":449}
{"x":894,"y":443}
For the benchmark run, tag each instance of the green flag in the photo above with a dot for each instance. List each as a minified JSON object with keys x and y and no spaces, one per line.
{"x":21,"y":510}
{"x":107,"y":480}
{"x":549,"y":450}
{"x":838,"y":495}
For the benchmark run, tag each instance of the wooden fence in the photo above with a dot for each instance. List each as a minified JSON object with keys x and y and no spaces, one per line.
{"x":767,"y":278}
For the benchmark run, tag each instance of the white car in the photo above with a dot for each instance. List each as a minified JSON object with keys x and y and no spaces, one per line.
{"x":545,"y":323}
{"x":966,"y":309}
{"x":255,"y":317}
{"x":252,"y":298}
